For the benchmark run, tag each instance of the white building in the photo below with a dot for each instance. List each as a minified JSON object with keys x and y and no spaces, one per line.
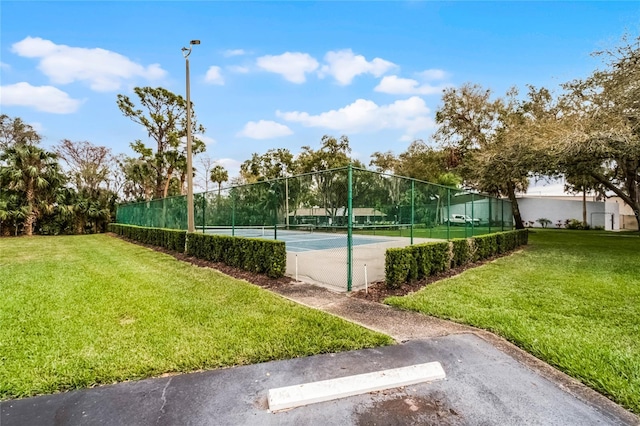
{"x":559,"y":209}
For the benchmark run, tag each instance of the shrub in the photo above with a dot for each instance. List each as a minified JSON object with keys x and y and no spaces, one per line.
{"x":460,"y":252}
{"x":397,"y":265}
{"x":251,"y":254}
{"x":486,"y":246}
{"x":575,"y":224}
{"x":170,"y":239}
{"x":422,"y":260}
{"x":544,"y":222}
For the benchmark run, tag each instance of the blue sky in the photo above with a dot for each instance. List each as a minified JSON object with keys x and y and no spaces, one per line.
{"x":282,"y":74}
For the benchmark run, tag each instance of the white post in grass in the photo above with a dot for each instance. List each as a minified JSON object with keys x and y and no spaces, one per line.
{"x":366,"y":283}
{"x":296,"y":268}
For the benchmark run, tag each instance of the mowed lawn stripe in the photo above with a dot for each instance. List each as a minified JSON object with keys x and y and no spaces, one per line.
{"x":77,"y":311}
{"x":571,"y":298}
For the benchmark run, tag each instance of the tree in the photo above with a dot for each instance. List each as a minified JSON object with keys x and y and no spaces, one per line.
{"x":274,"y":164}
{"x":90,"y":167}
{"x":580,"y":183}
{"x":29,"y":175}
{"x":487,"y":139}
{"x":14,"y":131}
{"x":328,"y":189}
{"x":384,"y":162}
{"x":204,"y":177}
{"x":333,"y":153}
{"x":599,"y":129}
{"x":34,"y":174}
{"x":165,"y":120}
{"x":422,"y":162}
{"x":218,"y":175}
{"x":138,"y":179}
{"x":12,"y":212}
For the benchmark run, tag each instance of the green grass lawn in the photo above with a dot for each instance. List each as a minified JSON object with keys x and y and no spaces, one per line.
{"x":76,"y":311}
{"x":572,"y":299}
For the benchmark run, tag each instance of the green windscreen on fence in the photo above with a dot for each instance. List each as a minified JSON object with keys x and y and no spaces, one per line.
{"x":335,"y":223}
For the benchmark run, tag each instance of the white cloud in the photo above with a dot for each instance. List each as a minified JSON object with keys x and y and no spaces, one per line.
{"x":264,"y":130}
{"x":239,"y":69}
{"x":293,"y":66}
{"x":406,"y":86}
{"x":343,"y":65}
{"x":4,"y":66}
{"x":42,"y":98}
{"x":206,"y":139}
{"x":410,"y":115}
{"x":213,"y":76}
{"x":102,"y":69}
{"x":37,"y":126}
{"x":233,"y":52}
{"x":433,"y":74}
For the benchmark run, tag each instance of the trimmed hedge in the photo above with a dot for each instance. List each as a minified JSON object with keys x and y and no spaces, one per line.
{"x":461,"y":252}
{"x":422,"y":260}
{"x":415,"y":262}
{"x":251,"y":254}
{"x":171,"y":239}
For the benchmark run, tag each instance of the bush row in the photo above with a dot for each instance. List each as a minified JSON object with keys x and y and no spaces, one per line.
{"x":251,"y":254}
{"x":422,"y":260}
{"x":171,"y":239}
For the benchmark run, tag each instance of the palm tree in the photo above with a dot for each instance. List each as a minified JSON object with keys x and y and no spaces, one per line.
{"x":35,"y":174}
{"x":219,"y":174}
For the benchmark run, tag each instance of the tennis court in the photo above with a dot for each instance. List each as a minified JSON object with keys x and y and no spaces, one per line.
{"x":312,"y":213}
{"x":320,"y":255}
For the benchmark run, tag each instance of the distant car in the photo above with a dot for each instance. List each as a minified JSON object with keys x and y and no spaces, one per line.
{"x":461,"y":219}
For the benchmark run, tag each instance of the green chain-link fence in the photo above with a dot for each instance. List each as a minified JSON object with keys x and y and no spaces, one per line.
{"x":337,"y":223}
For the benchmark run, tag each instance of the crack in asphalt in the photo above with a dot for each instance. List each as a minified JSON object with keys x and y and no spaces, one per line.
{"x":163,"y":398}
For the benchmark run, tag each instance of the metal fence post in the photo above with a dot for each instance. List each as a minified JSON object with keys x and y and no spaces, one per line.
{"x":233,"y":214}
{"x":349,"y":227}
{"x":163,"y":221}
{"x":490,"y":216}
{"x":448,"y":214}
{"x":413,"y":206}
{"x":472,"y":215}
{"x":204,"y":210}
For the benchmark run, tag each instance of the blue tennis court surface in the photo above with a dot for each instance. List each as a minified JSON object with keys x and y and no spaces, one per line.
{"x":320,"y":241}
{"x":300,"y":241}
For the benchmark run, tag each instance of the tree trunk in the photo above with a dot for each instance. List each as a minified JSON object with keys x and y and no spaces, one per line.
{"x":31,"y":216}
{"x":80,"y":225}
{"x":183,"y":180}
{"x":166,"y":185}
{"x":632,"y":198}
{"x":515,"y":209}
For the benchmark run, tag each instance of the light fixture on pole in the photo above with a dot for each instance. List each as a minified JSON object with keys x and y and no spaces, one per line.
{"x":186,"y":51}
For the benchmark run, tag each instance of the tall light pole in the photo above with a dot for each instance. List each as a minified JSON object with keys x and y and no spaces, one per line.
{"x":191,"y":227}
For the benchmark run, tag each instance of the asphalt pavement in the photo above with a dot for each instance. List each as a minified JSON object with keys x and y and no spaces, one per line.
{"x":484,"y":386}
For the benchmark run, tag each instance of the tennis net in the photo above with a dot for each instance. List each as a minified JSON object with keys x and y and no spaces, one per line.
{"x":269,"y":232}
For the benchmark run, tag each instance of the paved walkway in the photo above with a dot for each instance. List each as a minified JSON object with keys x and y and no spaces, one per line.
{"x":489,"y":382}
